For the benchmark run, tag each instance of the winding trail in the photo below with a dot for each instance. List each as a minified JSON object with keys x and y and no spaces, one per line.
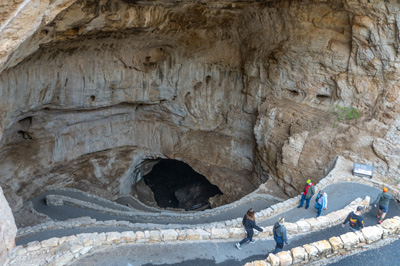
{"x":210,"y":252}
{"x":223,"y":253}
{"x":63,"y":213}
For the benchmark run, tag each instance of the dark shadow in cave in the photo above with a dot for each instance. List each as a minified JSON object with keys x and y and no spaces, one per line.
{"x":176,"y":185}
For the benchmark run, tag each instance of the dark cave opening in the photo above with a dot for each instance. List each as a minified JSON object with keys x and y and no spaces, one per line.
{"x":176,"y":185}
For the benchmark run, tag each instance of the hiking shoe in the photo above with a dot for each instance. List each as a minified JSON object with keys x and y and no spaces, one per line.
{"x":306,"y":207}
{"x":238,"y":246}
{"x":252,"y":241}
{"x":299,"y":206}
{"x":380,"y":221}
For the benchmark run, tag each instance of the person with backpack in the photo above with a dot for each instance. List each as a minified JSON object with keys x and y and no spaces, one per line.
{"x":355,"y":220}
{"x":280,"y":235}
{"x":321,"y":202}
{"x":308,"y":193}
{"x":383,"y":200}
{"x":248,"y":223}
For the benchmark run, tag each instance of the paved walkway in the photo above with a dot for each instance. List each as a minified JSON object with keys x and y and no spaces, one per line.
{"x":62,"y":213}
{"x":215,"y":252}
{"x":339,"y":196}
{"x":385,"y":255}
{"x":223,"y":252}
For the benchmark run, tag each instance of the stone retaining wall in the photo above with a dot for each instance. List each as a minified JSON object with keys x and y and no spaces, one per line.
{"x":65,"y":249}
{"x":60,"y":200}
{"x":341,"y":172}
{"x":337,"y":174}
{"x":262,"y":215}
{"x":333,"y":246}
{"x":167,"y":213}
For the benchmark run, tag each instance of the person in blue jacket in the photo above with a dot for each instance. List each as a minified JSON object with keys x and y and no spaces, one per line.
{"x":249,"y":223}
{"x":321,"y":202}
{"x":280,"y":236}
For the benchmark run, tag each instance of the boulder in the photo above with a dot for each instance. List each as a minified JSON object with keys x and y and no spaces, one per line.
{"x":8,"y":229}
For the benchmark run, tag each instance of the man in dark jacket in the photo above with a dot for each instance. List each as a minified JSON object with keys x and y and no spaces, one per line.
{"x":308,"y":193}
{"x":383,"y":200}
{"x":279,"y":235}
{"x":355,"y":220}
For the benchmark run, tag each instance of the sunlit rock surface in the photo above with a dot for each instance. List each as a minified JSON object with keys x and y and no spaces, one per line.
{"x":8,"y":229}
{"x":240,"y":91}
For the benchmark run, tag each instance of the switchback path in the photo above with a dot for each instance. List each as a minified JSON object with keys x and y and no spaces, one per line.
{"x":223,"y":252}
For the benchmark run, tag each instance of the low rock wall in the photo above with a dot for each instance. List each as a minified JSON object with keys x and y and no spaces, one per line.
{"x":66,"y":249}
{"x":340,"y":173}
{"x":257,"y":194}
{"x":333,"y":246}
{"x":61,"y":251}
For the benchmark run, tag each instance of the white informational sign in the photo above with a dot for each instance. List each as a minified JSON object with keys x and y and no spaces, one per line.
{"x":363,"y":170}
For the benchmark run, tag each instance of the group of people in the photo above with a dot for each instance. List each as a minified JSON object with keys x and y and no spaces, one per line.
{"x":321,"y":200}
{"x":249,"y":224}
{"x":355,"y":219}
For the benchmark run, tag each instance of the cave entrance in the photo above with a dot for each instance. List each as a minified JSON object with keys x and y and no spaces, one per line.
{"x":176,"y":185}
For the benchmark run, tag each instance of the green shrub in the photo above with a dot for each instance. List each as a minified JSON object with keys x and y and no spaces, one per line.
{"x":345,"y":113}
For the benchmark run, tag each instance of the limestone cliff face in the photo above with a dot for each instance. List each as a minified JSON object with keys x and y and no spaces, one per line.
{"x":343,"y":54}
{"x":8,"y":230}
{"x":241,"y":91}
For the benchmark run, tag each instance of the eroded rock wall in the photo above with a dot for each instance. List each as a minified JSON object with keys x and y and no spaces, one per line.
{"x":8,"y":229}
{"x":90,"y":110}
{"x":241,"y":91}
{"x":322,"y":55}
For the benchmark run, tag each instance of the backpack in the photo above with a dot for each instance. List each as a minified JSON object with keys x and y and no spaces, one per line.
{"x":277,"y":238}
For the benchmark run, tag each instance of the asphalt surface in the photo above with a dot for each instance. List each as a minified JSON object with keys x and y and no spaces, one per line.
{"x":386,"y":255}
{"x":223,"y":253}
{"x":215,"y":252}
{"x":62,"y":213}
{"x":339,"y":196}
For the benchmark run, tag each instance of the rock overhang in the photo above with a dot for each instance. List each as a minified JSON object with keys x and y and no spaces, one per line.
{"x":164,"y":57}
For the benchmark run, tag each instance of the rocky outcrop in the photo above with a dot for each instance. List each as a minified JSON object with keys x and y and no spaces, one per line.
{"x":92,"y":89}
{"x":345,"y":57}
{"x":19,"y":21}
{"x":8,"y":229}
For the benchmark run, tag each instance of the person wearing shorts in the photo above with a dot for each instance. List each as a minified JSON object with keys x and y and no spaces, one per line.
{"x":383,"y":201}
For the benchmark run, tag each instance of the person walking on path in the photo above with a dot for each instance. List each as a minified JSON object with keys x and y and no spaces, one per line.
{"x":321,"y":202}
{"x":279,"y":235}
{"x":383,"y":200}
{"x":248,"y":223}
{"x":309,"y":191}
{"x":355,"y":220}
